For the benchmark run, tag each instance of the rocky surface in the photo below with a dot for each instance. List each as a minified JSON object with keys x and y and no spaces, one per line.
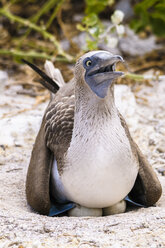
{"x":21,"y":227}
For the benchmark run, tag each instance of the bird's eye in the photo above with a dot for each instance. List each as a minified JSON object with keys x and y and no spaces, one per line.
{"x":88,"y":62}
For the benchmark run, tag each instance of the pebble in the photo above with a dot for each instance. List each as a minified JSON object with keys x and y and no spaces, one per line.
{"x":161,"y":148}
{"x":161,"y":170}
{"x":3,"y":76}
{"x":36,"y":244}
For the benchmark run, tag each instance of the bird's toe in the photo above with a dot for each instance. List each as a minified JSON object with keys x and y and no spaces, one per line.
{"x":118,"y":208}
{"x":80,"y":211}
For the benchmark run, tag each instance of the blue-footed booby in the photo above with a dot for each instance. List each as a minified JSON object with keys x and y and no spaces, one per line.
{"x":84,"y":161}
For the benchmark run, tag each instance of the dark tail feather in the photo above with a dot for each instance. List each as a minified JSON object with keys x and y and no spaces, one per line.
{"x":49,"y":84}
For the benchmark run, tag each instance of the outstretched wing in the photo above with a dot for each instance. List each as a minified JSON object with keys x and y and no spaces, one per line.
{"x":147,"y":188}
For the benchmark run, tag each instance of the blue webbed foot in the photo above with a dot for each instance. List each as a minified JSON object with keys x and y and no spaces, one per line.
{"x":57,"y":209}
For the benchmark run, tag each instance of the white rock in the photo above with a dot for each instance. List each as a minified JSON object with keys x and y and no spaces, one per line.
{"x":36,"y":244}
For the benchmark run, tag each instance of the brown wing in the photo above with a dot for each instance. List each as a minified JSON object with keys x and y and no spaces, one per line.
{"x":52,"y":140}
{"x":37,"y":180}
{"x":59,"y":124}
{"x":59,"y":120}
{"x":147,"y":189}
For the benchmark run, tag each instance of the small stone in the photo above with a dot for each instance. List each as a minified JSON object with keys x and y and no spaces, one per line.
{"x":48,"y":228}
{"x":161,"y":149}
{"x":24,"y":227}
{"x":151,"y":142}
{"x":36,"y":244}
{"x":161,"y":170}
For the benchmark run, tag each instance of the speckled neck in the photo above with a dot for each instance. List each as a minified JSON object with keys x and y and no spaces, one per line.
{"x":88,"y":104}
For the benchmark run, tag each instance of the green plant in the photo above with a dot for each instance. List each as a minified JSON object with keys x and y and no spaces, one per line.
{"x":150,"y":13}
{"x":96,"y":31}
{"x":22,"y":46}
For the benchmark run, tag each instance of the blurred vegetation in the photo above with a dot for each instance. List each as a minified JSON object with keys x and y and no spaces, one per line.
{"x":96,"y":31}
{"x":34,"y":29}
{"x":150,"y":14}
{"x":29,"y":23}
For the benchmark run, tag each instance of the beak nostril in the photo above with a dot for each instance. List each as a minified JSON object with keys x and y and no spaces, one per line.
{"x":120,"y":58}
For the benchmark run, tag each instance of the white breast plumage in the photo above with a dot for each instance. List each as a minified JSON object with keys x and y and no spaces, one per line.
{"x":100,"y":169}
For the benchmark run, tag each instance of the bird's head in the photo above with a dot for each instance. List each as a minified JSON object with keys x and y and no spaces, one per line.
{"x":97,"y":70}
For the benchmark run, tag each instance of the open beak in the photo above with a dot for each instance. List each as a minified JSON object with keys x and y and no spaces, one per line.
{"x":105,"y":68}
{"x":103,"y":73}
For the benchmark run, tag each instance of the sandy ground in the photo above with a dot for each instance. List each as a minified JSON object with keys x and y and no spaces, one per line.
{"x":20,"y":227}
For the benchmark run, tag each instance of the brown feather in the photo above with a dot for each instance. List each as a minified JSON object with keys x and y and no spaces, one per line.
{"x":59,"y":120}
